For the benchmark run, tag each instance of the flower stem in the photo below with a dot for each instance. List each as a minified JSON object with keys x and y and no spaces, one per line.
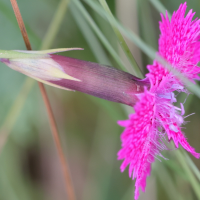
{"x":69,"y":186}
{"x":21,"y":24}
{"x":191,"y":164}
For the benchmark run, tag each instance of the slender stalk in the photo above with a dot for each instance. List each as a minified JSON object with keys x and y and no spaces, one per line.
{"x":99,"y":34}
{"x":69,"y":187}
{"x":137,"y":70}
{"x":21,"y":24}
{"x":145,"y":23}
{"x":55,"y":24}
{"x":192,"y":165}
{"x":11,"y":117}
{"x":146,"y":48}
{"x":195,"y":184}
{"x":8,"y":13}
{"x":165,"y":177}
{"x":189,"y":161}
{"x":160,"y":7}
{"x":90,"y":36}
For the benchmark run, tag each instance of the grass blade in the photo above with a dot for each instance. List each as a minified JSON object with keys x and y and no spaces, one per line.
{"x":160,"y":7}
{"x":14,"y":111}
{"x":165,"y":179}
{"x":99,"y":34}
{"x":90,"y":37}
{"x":137,"y":71}
{"x":55,"y":24}
{"x":192,"y":179}
{"x":192,"y":165}
{"x":146,"y":26}
{"x":8,"y":13}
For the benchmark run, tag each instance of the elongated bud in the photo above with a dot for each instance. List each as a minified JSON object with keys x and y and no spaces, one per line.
{"x":73,"y":74}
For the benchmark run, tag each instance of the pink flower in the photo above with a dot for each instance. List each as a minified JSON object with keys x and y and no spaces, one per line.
{"x":155,"y":115}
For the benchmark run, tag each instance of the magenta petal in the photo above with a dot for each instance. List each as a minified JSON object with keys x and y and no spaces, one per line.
{"x":179,"y":42}
{"x":124,"y":123}
{"x":139,"y":141}
{"x":178,"y":137}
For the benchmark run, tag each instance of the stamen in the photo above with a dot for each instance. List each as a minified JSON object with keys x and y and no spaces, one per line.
{"x":189,"y":115}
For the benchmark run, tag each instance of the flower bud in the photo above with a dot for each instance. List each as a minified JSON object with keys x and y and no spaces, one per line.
{"x":73,"y":74}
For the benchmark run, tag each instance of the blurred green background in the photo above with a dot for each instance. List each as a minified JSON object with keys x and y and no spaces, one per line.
{"x":29,"y":165}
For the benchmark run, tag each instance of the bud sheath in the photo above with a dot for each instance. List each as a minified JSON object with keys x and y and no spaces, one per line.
{"x":73,"y":74}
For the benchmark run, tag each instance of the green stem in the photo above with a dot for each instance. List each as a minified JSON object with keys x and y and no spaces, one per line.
{"x":145,"y":24}
{"x":55,"y":24}
{"x":189,"y":161}
{"x":90,"y":37}
{"x":129,"y":34}
{"x":8,"y":13}
{"x":191,"y":165}
{"x":191,"y":177}
{"x":160,"y":7}
{"x":100,"y":34}
{"x":137,"y":70}
{"x":165,"y":177}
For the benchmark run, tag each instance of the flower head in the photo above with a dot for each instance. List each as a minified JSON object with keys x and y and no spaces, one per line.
{"x":155,"y":115}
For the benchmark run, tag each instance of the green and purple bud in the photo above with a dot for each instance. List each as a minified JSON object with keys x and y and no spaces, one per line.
{"x":73,"y":74}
